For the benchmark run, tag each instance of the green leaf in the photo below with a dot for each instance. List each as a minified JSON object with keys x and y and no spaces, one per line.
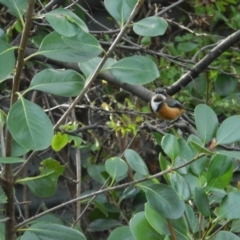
{"x":170,"y":146}
{"x":192,"y":181}
{"x":120,"y":9}
{"x":54,"y":231}
{"x":121,"y":233}
{"x":165,"y":201}
{"x":65,"y":22}
{"x":116,"y":167}
{"x":135,"y":70}
{"x":136,"y":162}
{"x":224,"y":235}
{"x":141,"y":229}
{"x":45,"y":184}
{"x":59,"y":141}
{"x":28,"y":236}
{"x":7,"y":60}
{"x":186,"y":152}
{"x":29,"y":125}
{"x":65,"y":83}
{"x":96,"y":172}
{"x":11,"y":160}
{"x":56,"y":47}
{"x":103,"y":224}
{"x":232,"y":154}
{"x":224,"y":84}
{"x":150,"y":26}
{"x":160,"y":224}
{"x":15,"y":7}
{"x":187,"y":46}
{"x":129,"y":192}
{"x":156,"y":220}
{"x":180,"y":185}
{"x":84,"y":42}
{"x":18,"y":150}
{"x":229,"y":130}
{"x":202,"y":201}
{"x":164,"y":164}
{"x":201,"y":149}
{"x":206,"y":122}
{"x":230,"y":206}
{"x":89,"y":66}
{"x":220,"y":171}
{"x":192,"y":218}
{"x":198,"y":167}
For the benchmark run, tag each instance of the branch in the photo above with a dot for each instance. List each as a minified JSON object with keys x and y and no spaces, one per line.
{"x":204,"y":63}
{"x":8,"y":181}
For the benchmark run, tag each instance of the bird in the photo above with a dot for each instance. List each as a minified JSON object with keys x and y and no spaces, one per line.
{"x":165,"y":107}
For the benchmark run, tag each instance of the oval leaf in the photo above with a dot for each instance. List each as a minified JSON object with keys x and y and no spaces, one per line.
{"x":229,"y":130}
{"x":55,"y":232}
{"x":136,"y":162}
{"x":121,"y":233}
{"x":165,"y":201}
{"x":220,"y":171}
{"x":7,"y":60}
{"x":16,"y":7}
{"x":170,"y":146}
{"x":180,"y":185}
{"x":141,"y":229}
{"x":150,"y":26}
{"x":157,"y":221}
{"x":202,"y":201}
{"x":224,"y":235}
{"x":54,"y":47}
{"x":96,"y":172}
{"x":66,"y":83}
{"x":29,"y":125}
{"x":135,"y":70}
{"x":120,"y":9}
{"x":116,"y":167}
{"x":230,"y":206}
{"x":65,"y":22}
{"x":85,"y":43}
{"x":206,"y":122}
{"x":89,"y":66}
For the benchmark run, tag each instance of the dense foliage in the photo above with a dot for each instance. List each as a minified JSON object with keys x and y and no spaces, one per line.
{"x":82,"y":156}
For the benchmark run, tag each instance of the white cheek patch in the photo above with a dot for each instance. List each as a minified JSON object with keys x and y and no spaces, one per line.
{"x":154,"y":105}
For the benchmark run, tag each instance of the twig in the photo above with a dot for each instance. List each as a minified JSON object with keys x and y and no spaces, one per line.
{"x":206,"y":61}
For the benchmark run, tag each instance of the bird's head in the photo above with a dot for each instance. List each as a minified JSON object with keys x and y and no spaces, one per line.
{"x":156,"y":101}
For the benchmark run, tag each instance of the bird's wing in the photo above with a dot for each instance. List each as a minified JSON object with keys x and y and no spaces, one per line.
{"x":173,"y":103}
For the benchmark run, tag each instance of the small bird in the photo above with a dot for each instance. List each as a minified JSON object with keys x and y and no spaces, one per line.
{"x":164,"y":106}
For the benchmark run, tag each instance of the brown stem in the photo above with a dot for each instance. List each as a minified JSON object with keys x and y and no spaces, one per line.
{"x":7,"y":180}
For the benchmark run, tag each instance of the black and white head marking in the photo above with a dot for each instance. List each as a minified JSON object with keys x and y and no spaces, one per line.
{"x":156,"y":100}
